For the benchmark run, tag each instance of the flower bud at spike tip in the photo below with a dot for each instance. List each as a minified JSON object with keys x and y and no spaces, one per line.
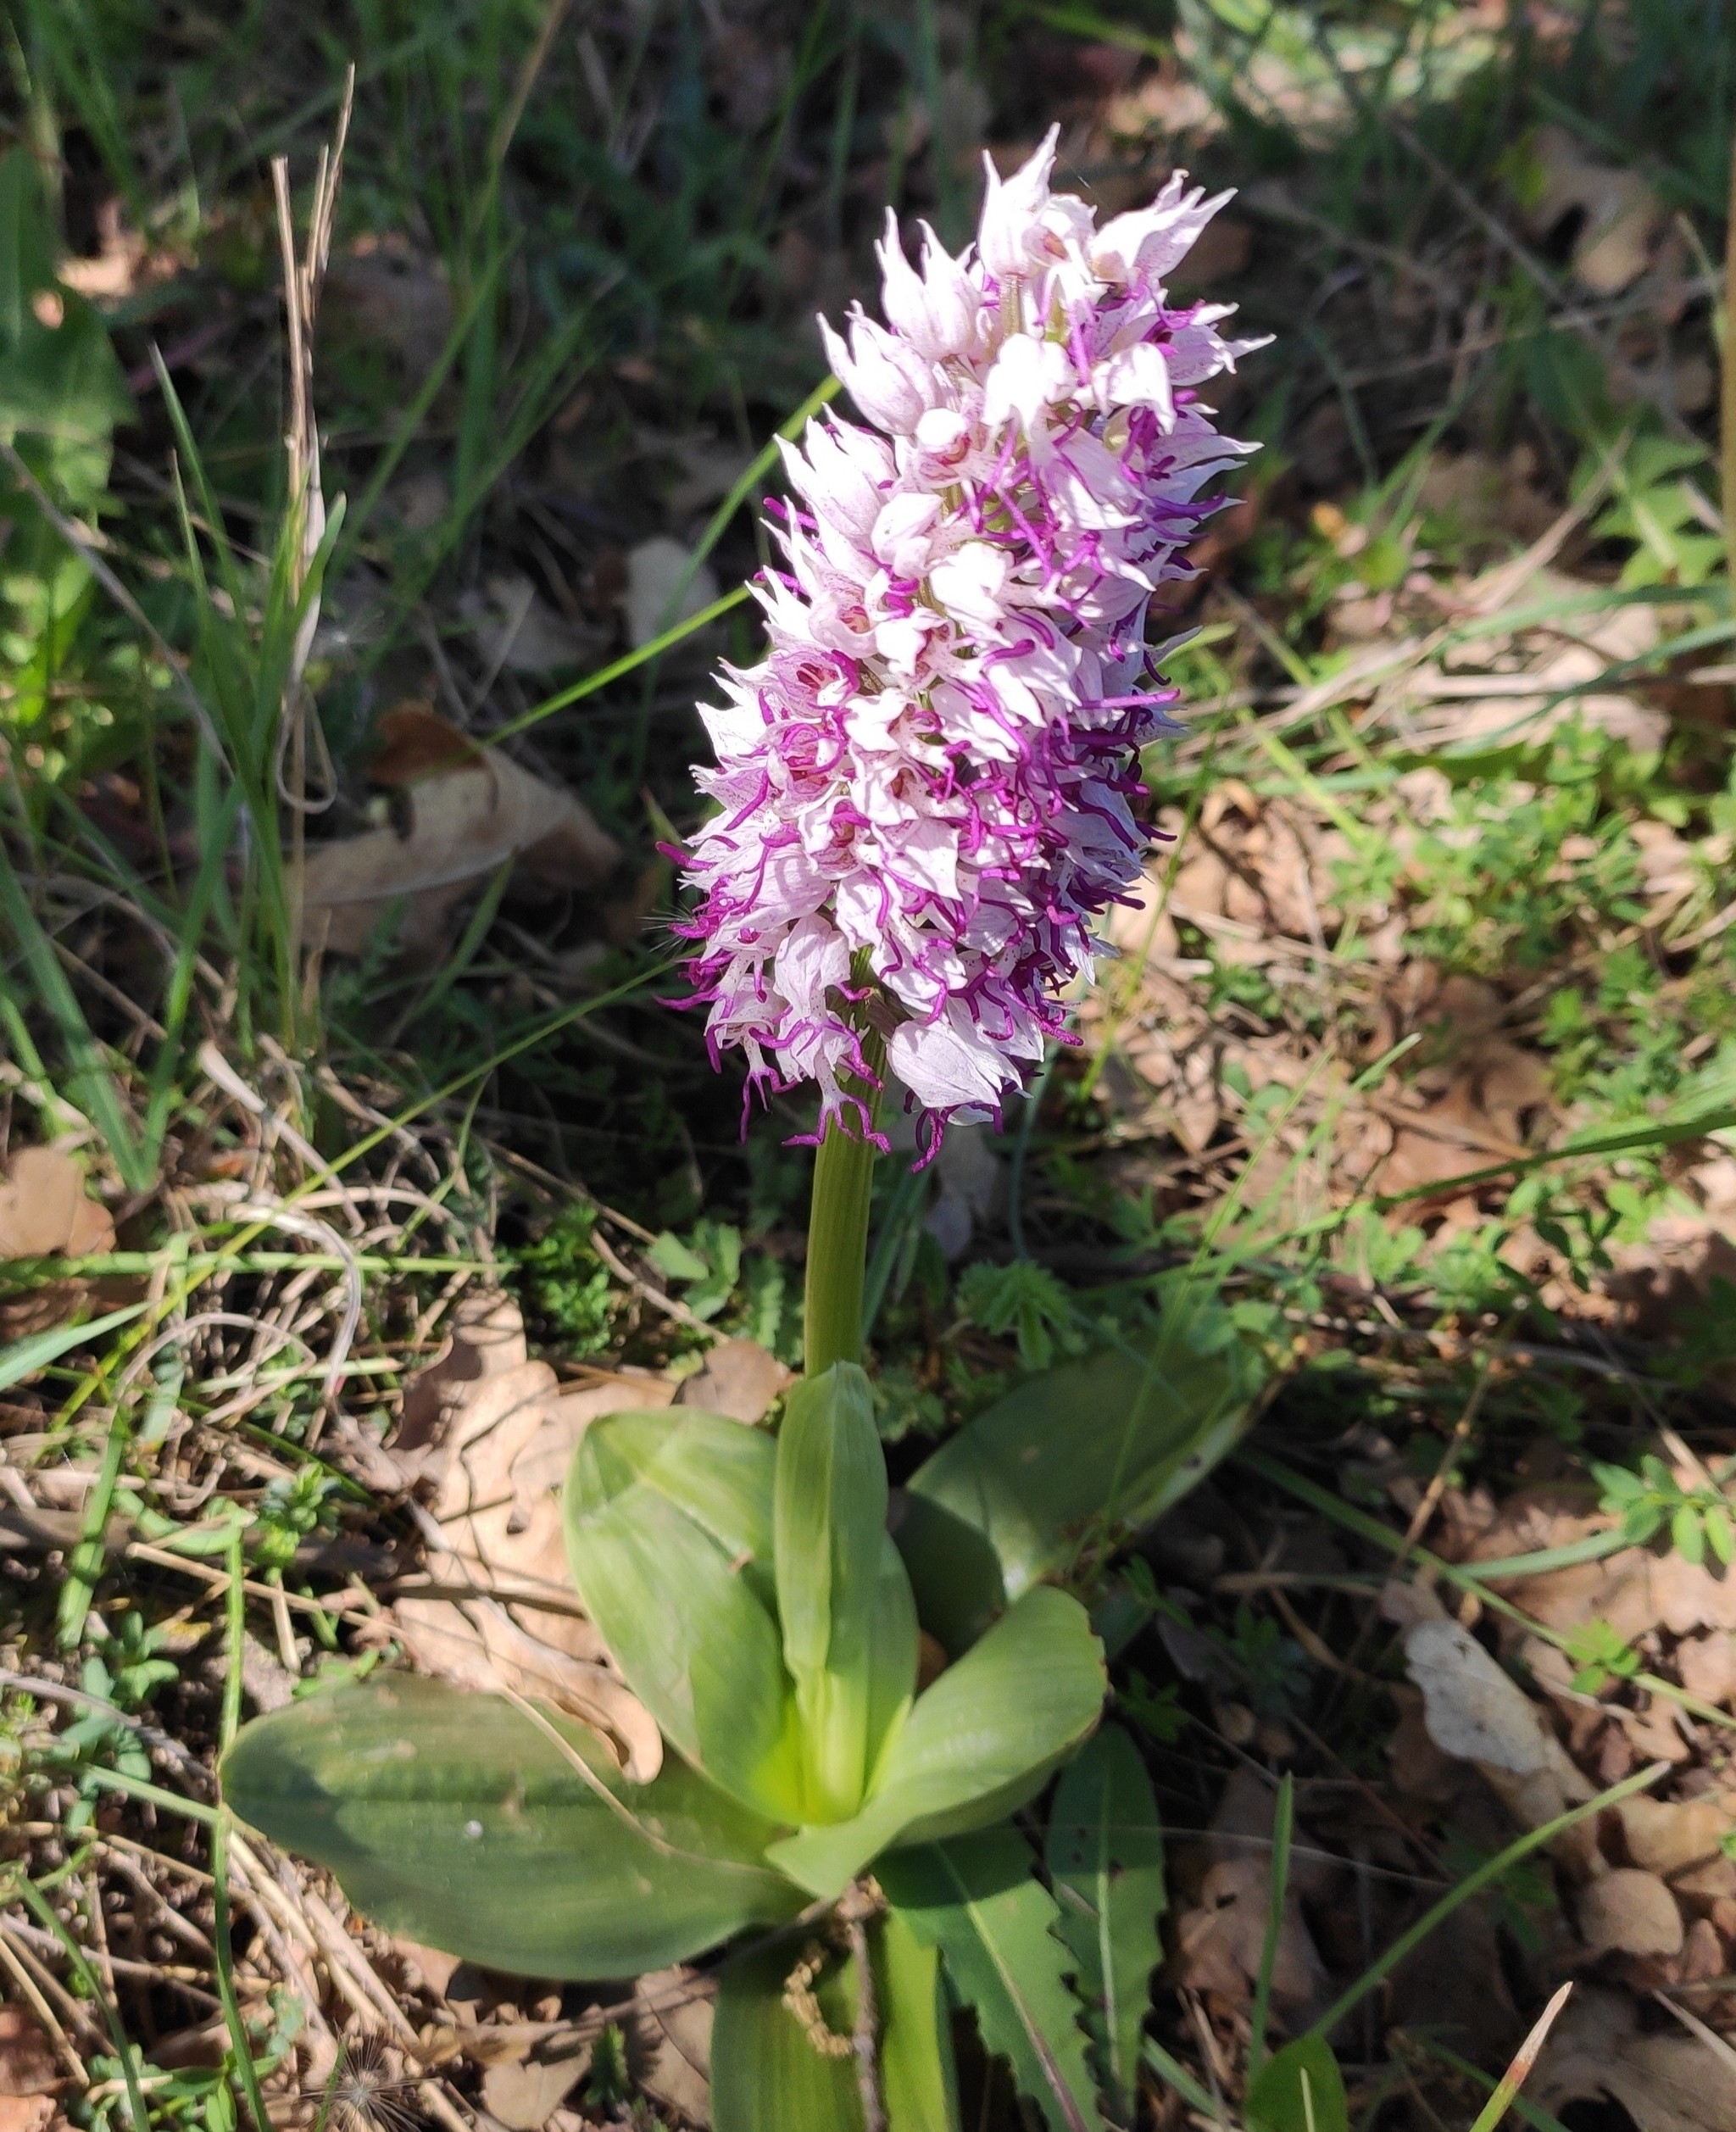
{"x":925,"y":792}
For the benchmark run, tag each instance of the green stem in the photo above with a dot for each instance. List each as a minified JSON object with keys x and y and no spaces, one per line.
{"x":837,"y":1239}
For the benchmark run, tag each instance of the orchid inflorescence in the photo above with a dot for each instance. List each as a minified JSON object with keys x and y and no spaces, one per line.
{"x":925,"y":792}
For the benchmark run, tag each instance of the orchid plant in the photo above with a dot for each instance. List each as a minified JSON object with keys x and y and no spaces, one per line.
{"x":923,"y":800}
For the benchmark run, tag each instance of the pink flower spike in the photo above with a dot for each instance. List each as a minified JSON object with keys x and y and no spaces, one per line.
{"x":924,"y":793}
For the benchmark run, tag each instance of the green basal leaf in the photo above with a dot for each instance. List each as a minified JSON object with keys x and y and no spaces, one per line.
{"x":849,"y":1641}
{"x":977,"y":1745}
{"x":1104,"y":1856}
{"x":668,"y":1526}
{"x":976,"y":1900}
{"x":891,"y":1658}
{"x":917,"y":2076}
{"x":1301,"y":2090}
{"x":1097,"y":1448}
{"x":454,"y":1819}
{"x":767,"y":2074}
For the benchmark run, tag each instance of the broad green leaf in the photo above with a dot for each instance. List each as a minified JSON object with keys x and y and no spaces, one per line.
{"x":668,"y":1532}
{"x":977,"y":1745}
{"x":1104,"y":1855}
{"x":917,"y":2076}
{"x":975,"y":1900}
{"x":851,"y":1650}
{"x":454,"y":1819}
{"x":1094,"y":1451}
{"x":1301,"y":2090}
{"x":768,"y":2076}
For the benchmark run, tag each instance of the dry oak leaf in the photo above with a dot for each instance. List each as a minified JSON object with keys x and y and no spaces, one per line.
{"x":1634,"y":1590}
{"x":1630,"y":1911}
{"x":472,"y":811}
{"x":1621,"y":216}
{"x":1668,"y":1836}
{"x":1476,"y":1714}
{"x":27,"y":2062}
{"x":738,"y":1378}
{"x":668,"y":2041}
{"x":1667,"y":2082}
{"x":494,"y":1434}
{"x":529,"y":2068}
{"x":44,"y":1209}
{"x":27,"y":2112}
{"x":1707,"y":1665}
{"x":1220,"y":1944}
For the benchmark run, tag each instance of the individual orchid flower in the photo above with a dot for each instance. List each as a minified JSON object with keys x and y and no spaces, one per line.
{"x":925,"y":794}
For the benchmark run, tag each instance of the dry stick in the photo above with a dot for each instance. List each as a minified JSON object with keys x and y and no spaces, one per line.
{"x":859,"y":1905}
{"x":39,"y":2005}
{"x":302,"y":284}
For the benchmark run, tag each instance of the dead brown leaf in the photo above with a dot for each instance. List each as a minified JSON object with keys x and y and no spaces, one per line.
{"x":1220,"y":1942}
{"x":45,"y":1212}
{"x":1629,"y":1912}
{"x":1707,"y":1665}
{"x":44,"y":1209}
{"x":1622,"y":216}
{"x":27,"y":2112}
{"x":529,"y":2069}
{"x":27,"y":2062}
{"x":1599,"y":2054}
{"x":474,"y":813}
{"x":1669,"y":1836}
{"x":492,"y":1432}
{"x":1474,"y":1711}
{"x":668,"y":2041}
{"x":738,"y":1378}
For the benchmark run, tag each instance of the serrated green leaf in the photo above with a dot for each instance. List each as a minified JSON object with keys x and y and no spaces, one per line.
{"x":1720,"y":1535}
{"x":977,"y":1745}
{"x":768,"y":2076}
{"x":1104,"y":1856}
{"x":1106,"y":1444}
{"x":849,"y":1641}
{"x":1301,"y":2090}
{"x":975,"y":1900}
{"x":668,"y":1526}
{"x":454,"y":1819}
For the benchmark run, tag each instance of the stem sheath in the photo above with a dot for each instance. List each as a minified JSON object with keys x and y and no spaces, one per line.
{"x":837,"y":1238}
